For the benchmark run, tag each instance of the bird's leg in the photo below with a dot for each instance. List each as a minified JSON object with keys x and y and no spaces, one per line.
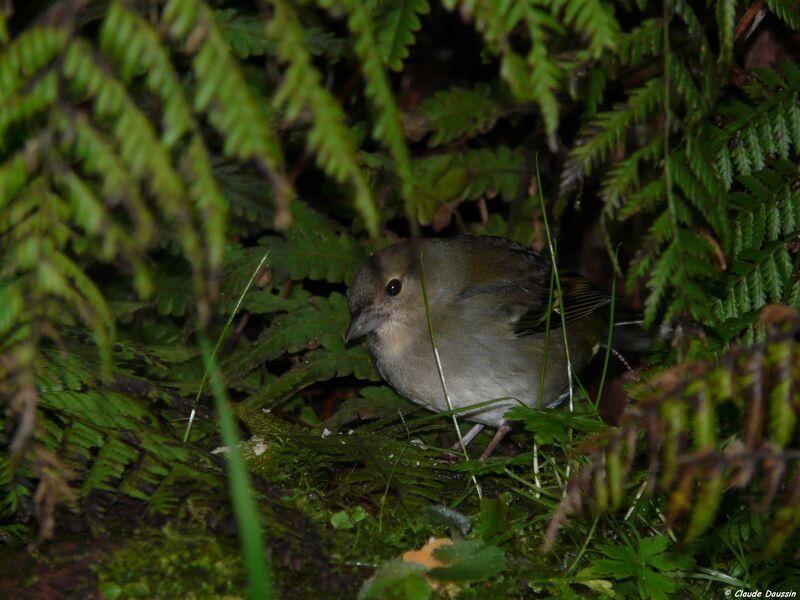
{"x":499,"y":435}
{"x":470,"y":435}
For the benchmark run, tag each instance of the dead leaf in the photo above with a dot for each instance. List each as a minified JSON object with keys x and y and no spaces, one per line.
{"x":424,"y":556}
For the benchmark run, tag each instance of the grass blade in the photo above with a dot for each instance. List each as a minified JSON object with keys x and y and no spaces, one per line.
{"x":251,"y":538}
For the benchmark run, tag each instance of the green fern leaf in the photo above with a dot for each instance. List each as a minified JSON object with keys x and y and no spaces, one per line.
{"x":320,"y":365}
{"x":594,"y":19}
{"x":232,"y":107}
{"x":786,"y":11}
{"x":30,"y":52}
{"x":301,"y":89}
{"x":793,"y":297}
{"x":609,"y":127}
{"x":388,"y":126}
{"x":243,"y":32}
{"x":595,"y":89}
{"x":247,"y":194}
{"x":321,"y":323}
{"x":459,"y":113}
{"x":396,"y":28}
{"x":643,"y":41}
{"x":314,"y":248}
{"x":447,"y":178}
{"x":660,"y":278}
{"x":545,"y":79}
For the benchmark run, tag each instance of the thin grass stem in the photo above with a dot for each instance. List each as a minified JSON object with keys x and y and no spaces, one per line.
{"x":525,"y":482}
{"x":608,"y":342}
{"x":546,"y":349}
{"x":220,"y":339}
{"x":561,"y":307}
{"x":391,"y":474}
{"x":432,"y":334}
{"x":584,"y":546}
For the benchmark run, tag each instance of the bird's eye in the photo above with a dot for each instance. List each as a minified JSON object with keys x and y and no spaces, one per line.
{"x":393,"y":287}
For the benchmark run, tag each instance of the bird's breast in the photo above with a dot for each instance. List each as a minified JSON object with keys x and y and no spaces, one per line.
{"x":476,"y":368}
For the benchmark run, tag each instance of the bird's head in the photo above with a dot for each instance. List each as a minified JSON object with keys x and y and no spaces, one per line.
{"x":387,"y":292}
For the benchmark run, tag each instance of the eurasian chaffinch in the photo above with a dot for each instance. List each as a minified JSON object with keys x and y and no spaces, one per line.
{"x":488,"y":300}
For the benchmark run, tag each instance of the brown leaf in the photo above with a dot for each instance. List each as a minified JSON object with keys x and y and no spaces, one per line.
{"x":424,"y":556}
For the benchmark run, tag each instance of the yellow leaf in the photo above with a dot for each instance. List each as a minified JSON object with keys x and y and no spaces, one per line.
{"x":424,"y":556}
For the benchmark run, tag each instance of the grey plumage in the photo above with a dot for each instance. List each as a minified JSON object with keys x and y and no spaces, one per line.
{"x":488,"y":298}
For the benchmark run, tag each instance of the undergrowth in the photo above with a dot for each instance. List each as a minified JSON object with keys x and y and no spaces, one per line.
{"x":151,"y":155}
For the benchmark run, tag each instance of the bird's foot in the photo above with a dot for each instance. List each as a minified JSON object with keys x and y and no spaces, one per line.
{"x":468,"y":437}
{"x":499,"y":435}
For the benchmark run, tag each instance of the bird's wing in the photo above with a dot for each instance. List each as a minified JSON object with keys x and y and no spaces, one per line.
{"x":581,"y":299}
{"x":504,"y":281}
{"x":510,"y":284}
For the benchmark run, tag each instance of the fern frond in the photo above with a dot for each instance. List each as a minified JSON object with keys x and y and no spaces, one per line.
{"x":686,"y":260}
{"x":536,"y":77}
{"x":609,"y":127}
{"x":643,"y":41}
{"x":248,"y":195}
{"x":99,"y":160}
{"x":21,"y":109}
{"x":622,"y":182}
{"x":321,"y":323}
{"x":301,"y":89}
{"x":680,"y":413}
{"x":712,"y":207}
{"x":93,"y":436}
{"x":683,"y":82}
{"x":760,"y":279}
{"x":314,"y":248}
{"x":388,"y":126}
{"x":132,"y":41}
{"x":595,"y":89}
{"x":223,"y":92}
{"x":243,"y":32}
{"x":786,"y":11}
{"x":450,"y":178}
{"x":316,"y":366}
{"x":396,"y":29}
{"x":458,"y":113}
{"x":139,"y":147}
{"x":594,"y":19}
{"x":29,"y":53}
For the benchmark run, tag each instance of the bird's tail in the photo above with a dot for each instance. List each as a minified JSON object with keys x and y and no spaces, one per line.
{"x":630,"y":337}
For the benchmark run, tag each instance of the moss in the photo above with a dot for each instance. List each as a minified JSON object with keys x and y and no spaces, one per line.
{"x":172,"y":563}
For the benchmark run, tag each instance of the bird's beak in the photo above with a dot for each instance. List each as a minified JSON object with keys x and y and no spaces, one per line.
{"x":363,"y":322}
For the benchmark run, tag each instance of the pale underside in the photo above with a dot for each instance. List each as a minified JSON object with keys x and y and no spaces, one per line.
{"x":477,"y":366}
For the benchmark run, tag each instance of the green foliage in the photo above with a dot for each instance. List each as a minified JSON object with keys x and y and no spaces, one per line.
{"x":110,"y":440}
{"x":443,"y":180}
{"x":651,"y":567}
{"x":698,"y":183}
{"x":387,"y":128}
{"x":683,"y":411}
{"x":458,"y":113}
{"x":176,"y":563}
{"x":463,"y":561}
{"x":314,"y":248}
{"x":397,"y":24}
{"x":302,"y":89}
{"x":259,"y":571}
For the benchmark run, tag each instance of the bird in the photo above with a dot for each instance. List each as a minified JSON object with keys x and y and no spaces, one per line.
{"x":488,"y":300}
